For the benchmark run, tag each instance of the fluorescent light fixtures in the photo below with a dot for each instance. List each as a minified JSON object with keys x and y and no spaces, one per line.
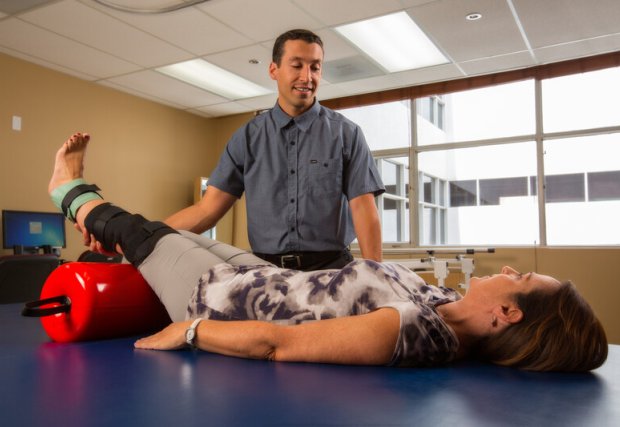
{"x":207,"y":76}
{"x":394,"y":41}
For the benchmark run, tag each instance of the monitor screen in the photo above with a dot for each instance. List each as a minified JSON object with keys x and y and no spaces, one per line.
{"x":33,"y":229}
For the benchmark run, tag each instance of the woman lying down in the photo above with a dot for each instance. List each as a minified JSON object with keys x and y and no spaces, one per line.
{"x":224,"y":300}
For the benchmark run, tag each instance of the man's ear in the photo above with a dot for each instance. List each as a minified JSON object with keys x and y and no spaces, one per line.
{"x":273,"y":71}
{"x":508,"y":313}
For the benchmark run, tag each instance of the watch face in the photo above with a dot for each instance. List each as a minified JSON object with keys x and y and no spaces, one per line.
{"x":189,"y":336}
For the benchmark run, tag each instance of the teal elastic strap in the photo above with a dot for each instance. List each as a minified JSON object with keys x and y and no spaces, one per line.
{"x":58,"y":194}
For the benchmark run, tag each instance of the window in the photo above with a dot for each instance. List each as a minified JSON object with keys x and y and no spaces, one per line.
{"x":385,"y":126}
{"x":479,"y":157}
{"x":432,"y":204}
{"x":200,"y":187}
{"x":463,"y":193}
{"x":582,"y":101}
{"x":387,"y":131}
{"x":394,"y":203}
{"x":489,"y":201}
{"x":432,"y":109}
{"x":493,"y":190}
{"x":565,"y":188}
{"x":583,"y":190}
{"x":479,"y":114}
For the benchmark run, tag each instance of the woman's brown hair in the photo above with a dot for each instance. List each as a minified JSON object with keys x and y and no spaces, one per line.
{"x":559,"y":332}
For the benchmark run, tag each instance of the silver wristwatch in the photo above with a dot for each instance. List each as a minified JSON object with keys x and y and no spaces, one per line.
{"x":190,"y":333}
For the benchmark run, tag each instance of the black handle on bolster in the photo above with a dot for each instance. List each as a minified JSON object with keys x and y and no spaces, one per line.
{"x":33,"y":308}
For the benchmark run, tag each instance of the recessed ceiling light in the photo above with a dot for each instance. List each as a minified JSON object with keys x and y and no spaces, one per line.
{"x":394,"y":41}
{"x":210,"y":77}
{"x":474,"y":16}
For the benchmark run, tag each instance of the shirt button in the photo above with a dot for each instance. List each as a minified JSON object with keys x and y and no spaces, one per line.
{"x":292,"y":142}
{"x":292,"y":228}
{"x":292,"y":200}
{"x":292,"y":172}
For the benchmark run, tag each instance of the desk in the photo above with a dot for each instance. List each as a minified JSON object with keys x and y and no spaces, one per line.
{"x":108,"y":383}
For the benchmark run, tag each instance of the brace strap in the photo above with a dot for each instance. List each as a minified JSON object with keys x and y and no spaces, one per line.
{"x":105,"y":212}
{"x":68,"y":209}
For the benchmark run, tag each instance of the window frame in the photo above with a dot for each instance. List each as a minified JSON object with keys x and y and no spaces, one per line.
{"x":436,"y":91}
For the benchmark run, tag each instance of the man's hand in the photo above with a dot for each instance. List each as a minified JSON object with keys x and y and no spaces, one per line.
{"x":92,"y":243}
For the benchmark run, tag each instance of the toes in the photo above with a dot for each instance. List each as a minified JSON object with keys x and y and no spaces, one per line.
{"x":77,"y":140}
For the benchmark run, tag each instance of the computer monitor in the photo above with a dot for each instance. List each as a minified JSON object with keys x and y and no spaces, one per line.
{"x":25,"y":231}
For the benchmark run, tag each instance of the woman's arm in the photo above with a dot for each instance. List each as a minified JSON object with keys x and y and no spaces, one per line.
{"x":367,"y":339}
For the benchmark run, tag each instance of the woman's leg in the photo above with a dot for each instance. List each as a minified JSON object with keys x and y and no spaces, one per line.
{"x":230,"y":254}
{"x":173,"y":270}
{"x":170,"y":263}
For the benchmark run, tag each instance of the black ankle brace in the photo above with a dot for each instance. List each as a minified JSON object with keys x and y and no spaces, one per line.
{"x":136,"y":235}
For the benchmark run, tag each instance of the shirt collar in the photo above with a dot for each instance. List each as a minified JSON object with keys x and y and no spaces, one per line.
{"x":303,"y":121}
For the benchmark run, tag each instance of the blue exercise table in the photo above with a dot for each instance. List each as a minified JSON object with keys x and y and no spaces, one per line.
{"x":108,"y":383}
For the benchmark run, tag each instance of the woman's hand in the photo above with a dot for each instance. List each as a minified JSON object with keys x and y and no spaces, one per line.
{"x":172,"y":337}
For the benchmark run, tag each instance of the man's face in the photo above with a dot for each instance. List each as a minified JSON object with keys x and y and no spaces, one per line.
{"x":298,"y":76}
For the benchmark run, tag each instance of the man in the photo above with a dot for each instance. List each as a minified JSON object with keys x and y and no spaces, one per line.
{"x":306,"y":171}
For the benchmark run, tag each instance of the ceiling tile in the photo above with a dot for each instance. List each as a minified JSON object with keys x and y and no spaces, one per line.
{"x":199,"y":113}
{"x":139,"y":94}
{"x":352,"y":68}
{"x":462,"y":40}
{"x":225,"y":109}
{"x":438,"y":73}
{"x":411,"y":3}
{"x":96,"y":29}
{"x":16,"y":6}
{"x":335,"y":46}
{"x":238,"y":61}
{"x":260,"y":20}
{"x":50,"y":47}
{"x":335,"y":12}
{"x":47,"y":64}
{"x":189,"y":28}
{"x":553,"y":22}
{"x":329,"y":91}
{"x":565,"y":51}
{"x":259,"y":102}
{"x":498,"y":63}
{"x":401,"y":79}
{"x":167,"y":88}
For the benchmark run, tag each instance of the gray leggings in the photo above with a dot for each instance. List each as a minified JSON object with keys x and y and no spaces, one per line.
{"x":179,"y":260}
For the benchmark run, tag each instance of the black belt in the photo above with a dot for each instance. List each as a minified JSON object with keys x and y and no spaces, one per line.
{"x":300,"y":259}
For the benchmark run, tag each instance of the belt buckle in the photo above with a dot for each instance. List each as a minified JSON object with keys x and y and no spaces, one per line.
{"x":290,"y":261}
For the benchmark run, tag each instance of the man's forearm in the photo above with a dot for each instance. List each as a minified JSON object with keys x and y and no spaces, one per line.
{"x":191,"y":219}
{"x":367,"y":226}
{"x":370,"y":243}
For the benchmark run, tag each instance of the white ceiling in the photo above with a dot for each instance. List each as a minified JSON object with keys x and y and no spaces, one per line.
{"x":121,"y":50}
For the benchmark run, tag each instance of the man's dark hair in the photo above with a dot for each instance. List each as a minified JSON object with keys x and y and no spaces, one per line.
{"x":305,"y":35}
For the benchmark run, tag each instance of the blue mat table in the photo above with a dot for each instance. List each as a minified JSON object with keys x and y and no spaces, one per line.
{"x":108,"y":383}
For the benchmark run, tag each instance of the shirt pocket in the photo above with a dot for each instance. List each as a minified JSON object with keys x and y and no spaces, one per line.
{"x":325,"y":177}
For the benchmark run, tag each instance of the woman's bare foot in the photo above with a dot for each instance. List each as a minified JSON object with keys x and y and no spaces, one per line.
{"x":69,"y":164}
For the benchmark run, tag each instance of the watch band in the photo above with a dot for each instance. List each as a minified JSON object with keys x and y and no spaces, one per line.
{"x":190,"y":333}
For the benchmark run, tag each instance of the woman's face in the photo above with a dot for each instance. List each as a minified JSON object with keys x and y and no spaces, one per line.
{"x":509,"y":282}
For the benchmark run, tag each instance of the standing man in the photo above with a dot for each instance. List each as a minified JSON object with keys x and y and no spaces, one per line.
{"x":307,"y":173}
